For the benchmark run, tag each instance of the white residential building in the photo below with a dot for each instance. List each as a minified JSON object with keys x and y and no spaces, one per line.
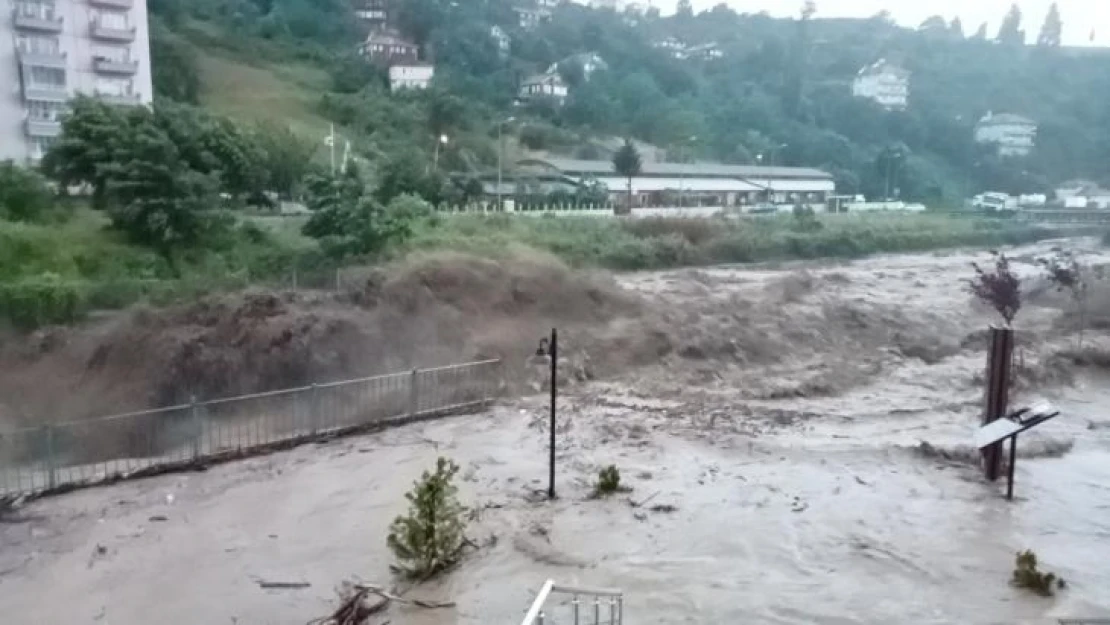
{"x":548,"y":85}
{"x":53,"y":50}
{"x":373,"y":13}
{"x":885,"y":83}
{"x":616,"y":5}
{"x":672,"y":46}
{"x":1013,"y":134}
{"x":590,"y":62}
{"x":501,"y":39}
{"x":411,"y":76}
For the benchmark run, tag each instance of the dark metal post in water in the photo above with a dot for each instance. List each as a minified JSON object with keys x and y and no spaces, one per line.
{"x":1013,"y":459}
{"x":999,"y":362}
{"x":554,"y":353}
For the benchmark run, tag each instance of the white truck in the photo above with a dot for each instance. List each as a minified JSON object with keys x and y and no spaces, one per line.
{"x":994,"y":201}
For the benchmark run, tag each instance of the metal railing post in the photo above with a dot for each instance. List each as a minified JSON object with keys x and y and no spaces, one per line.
{"x":575,"y":606}
{"x":612,"y":611}
{"x":51,"y":460}
{"x":597,"y":610}
{"x":314,"y":408}
{"x":194,"y":412}
{"x":414,"y":393}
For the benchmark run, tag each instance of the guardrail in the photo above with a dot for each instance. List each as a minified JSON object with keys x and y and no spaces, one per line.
{"x":70,"y":454}
{"x":600,"y":603}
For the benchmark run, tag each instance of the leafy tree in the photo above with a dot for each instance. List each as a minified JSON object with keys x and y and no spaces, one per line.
{"x":684,"y":9}
{"x":158,"y":200}
{"x":628,"y":164}
{"x":286,"y":157}
{"x":1066,"y":273}
{"x":430,"y":538}
{"x":1010,"y":33}
{"x":349,"y":222}
{"x":956,"y":28}
{"x":1052,"y":30}
{"x":408,"y":173}
{"x":980,"y":33}
{"x":173,"y":63}
{"x":998,"y":287}
{"x":24,"y":193}
{"x":89,"y":135}
{"x":935,"y":25}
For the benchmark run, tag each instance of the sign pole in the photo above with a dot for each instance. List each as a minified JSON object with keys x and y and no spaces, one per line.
{"x":554,"y":395}
{"x":1010,"y":477}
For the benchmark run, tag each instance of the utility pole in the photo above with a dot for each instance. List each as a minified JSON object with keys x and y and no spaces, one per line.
{"x":500,"y":158}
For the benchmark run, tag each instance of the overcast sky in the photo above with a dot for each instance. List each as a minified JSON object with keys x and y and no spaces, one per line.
{"x":1080,"y":17}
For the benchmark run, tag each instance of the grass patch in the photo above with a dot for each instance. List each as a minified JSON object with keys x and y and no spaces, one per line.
{"x":663,"y":243}
{"x":287,"y":94}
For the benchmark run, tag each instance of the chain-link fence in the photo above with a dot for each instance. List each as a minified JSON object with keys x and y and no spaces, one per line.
{"x":91,"y":451}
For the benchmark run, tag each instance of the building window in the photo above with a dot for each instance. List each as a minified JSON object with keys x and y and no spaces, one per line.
{"x":113,"y":86}
{"x":37,"y":44}
{"x":39,"y":147}
{"x":109,"y":19}
{"x":41,"y":9}
{"x":46,"y":77}
{"x":40,"y":110}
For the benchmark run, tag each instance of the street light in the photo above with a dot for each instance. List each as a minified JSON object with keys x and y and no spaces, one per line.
{"x":500,"y":158}
{"x":682,"y":175}
{"x":443,"y":139}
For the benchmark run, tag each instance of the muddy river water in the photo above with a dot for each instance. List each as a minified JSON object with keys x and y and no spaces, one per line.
{"x":795,"y":487}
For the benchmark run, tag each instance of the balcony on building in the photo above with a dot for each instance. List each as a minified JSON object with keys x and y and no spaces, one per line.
{"x":121,"y":99}
{"x":37,"y":17}
{"x":118,"y":67}
{"x":42,"y":58}
{"x":42,"y":127}
{"x":101,"y":31}
{"x":113,"y":4}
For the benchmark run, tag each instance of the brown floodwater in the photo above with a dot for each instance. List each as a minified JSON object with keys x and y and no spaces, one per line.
{"x":800,"y":491}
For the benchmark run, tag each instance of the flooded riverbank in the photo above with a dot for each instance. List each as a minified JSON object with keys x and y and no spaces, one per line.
{"x":785,"y":431}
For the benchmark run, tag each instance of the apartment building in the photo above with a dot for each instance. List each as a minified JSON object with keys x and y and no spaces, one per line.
{"x":53,"y":50}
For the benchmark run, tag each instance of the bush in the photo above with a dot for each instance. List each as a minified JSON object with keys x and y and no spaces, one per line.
{"x":24,"y":194}
{"x":31,"y":303}
{"x":430,"y":537}
{"x":1028,"y":577}
{"x":608,"y":481}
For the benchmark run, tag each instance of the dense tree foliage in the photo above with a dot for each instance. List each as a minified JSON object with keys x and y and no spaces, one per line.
{"x":781,"y":91}
{"x":628,"y":164}
{"x":24,"y":194}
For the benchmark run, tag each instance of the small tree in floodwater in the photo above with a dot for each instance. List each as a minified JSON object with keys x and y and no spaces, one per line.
{"x":1067,"y":274}
{"x":1027,"y":576}
{"x":998,"y":287}
{"x":430,"y":537}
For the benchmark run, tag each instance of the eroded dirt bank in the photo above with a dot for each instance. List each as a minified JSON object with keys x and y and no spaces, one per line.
{"x":782,"y":412}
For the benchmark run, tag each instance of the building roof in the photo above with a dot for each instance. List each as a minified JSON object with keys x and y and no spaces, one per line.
{"x":1007,"y":119}
{"x":704,"y":170}
{"x":883,"y":66}
{"x":389,"y":38}
{"x":547,"y":78}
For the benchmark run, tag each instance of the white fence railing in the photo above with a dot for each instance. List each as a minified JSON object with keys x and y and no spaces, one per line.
{"x":586,"y":605}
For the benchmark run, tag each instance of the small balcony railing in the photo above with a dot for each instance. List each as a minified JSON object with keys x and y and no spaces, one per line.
{"x":125,"y":67}
{"x":42,"y":127}
{"x":112,"y":33}
{"x":55,"y":59}
{"x":42,"y":23}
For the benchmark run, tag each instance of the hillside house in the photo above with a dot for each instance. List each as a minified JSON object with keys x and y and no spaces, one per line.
{"x":546,"y":85}
{"x":703,"y":52}
{"x":502,"y":40}
{"x":373,"y":13}
{"x":1014,"y":135}
{"x":884,"y":83}
{"x":589,"y":62}
{"x":411,"y":76}
{"x":387,"y":47}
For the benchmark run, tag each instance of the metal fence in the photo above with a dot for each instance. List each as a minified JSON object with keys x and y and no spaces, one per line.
{"x":92,"y":451}
{"x":586,"y":606}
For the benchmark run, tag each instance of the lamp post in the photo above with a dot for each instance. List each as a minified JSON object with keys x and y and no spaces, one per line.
{"x":500,"y":159}
{"x":443,"y":139}
{"x":682,"y":176}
